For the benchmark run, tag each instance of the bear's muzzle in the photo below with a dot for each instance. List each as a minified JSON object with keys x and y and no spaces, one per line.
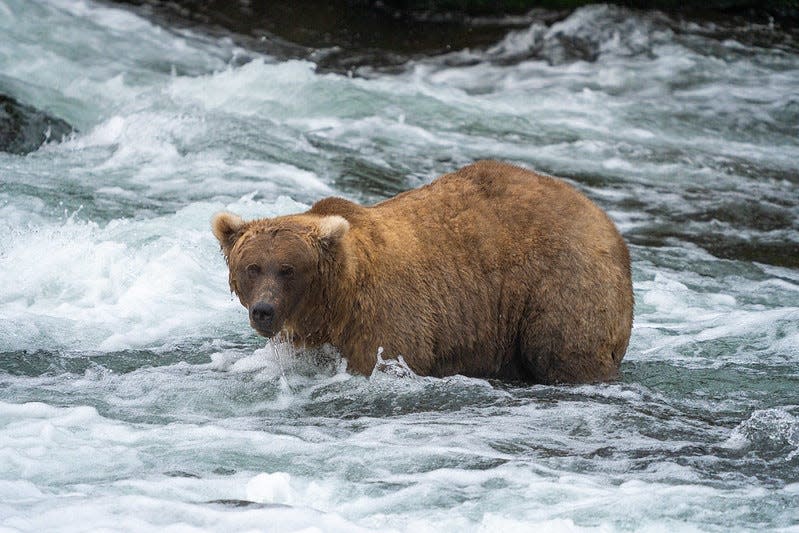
{"x":262,"y":318}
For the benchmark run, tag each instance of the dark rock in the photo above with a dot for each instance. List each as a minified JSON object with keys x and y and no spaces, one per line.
{"x":345,"y":35}
{"x":337,"y":35}
{"x":24,"y":128}
{"x":489,"y":7}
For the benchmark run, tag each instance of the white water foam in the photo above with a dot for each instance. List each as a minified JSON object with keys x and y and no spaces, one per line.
{"x":144,"y":493}
{"x":127,"y":284}
{"x":773,"y":432}
{"x":77,"y":42}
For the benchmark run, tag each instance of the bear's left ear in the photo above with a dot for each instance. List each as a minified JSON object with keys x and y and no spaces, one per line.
{"x":332,"y":228}
{"x":227,"y":229}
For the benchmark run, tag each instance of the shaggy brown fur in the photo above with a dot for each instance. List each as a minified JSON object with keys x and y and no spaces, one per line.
{"x":490,"y":271}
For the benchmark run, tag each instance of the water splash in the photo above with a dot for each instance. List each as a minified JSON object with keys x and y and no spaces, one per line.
{"x":772,"y":434}
{"x":394,"y":368}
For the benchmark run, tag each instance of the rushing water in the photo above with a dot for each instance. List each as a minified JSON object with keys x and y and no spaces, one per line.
{"x":134,"y":395}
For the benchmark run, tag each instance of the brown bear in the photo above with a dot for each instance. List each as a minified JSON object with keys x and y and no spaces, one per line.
{"x":491,"y":271}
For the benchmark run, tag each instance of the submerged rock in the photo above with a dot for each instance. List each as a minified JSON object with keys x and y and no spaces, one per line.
{"x":24,"y":128}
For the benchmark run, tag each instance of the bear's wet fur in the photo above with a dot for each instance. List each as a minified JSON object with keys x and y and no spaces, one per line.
{"x":491,"y":271}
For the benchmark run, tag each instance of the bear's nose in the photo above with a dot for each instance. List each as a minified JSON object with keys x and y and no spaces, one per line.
{"x":262,"y":313}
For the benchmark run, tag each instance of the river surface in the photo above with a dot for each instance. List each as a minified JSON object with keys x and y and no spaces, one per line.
{"x":134,"y":395}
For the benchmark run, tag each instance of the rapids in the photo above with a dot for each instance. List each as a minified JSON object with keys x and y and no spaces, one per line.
{"x":134,"y":395}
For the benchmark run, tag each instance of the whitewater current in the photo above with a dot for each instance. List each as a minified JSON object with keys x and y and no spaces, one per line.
{"x":134,"y":395}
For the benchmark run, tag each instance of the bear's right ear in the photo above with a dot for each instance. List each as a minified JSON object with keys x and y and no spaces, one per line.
{"x":332,"y":228}
{"x":227,"y":229}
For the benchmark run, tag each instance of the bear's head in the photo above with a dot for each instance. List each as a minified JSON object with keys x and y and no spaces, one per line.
{"x":277,"y":266}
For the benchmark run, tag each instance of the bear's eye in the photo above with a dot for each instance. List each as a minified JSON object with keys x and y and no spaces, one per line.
{"x":253,"y":270}
{"x":286,"y":271}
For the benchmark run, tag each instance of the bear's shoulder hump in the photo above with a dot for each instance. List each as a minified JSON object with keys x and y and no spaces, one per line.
{"x":335,"y":206}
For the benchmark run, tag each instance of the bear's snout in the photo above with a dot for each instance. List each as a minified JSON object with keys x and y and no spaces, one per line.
{"x":262,"y":315}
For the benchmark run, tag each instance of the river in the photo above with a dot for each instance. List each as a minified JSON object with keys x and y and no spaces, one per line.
{"x":134,"y":395}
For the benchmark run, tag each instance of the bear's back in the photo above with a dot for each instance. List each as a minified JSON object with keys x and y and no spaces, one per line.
{"x":504,"y":210}
{"x":524,"y":252}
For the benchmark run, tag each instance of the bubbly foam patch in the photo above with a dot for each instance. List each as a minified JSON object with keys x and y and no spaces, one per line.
{"x":271,"y":488}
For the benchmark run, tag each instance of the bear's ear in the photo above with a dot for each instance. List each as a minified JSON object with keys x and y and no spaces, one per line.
{"x":332,"y":228}
{"x":227,"y":229}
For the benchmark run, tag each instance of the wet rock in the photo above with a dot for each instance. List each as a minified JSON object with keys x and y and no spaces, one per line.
{"x":346,"y":35}
{"x":24,"y":128}
{"x":337,"y":35}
